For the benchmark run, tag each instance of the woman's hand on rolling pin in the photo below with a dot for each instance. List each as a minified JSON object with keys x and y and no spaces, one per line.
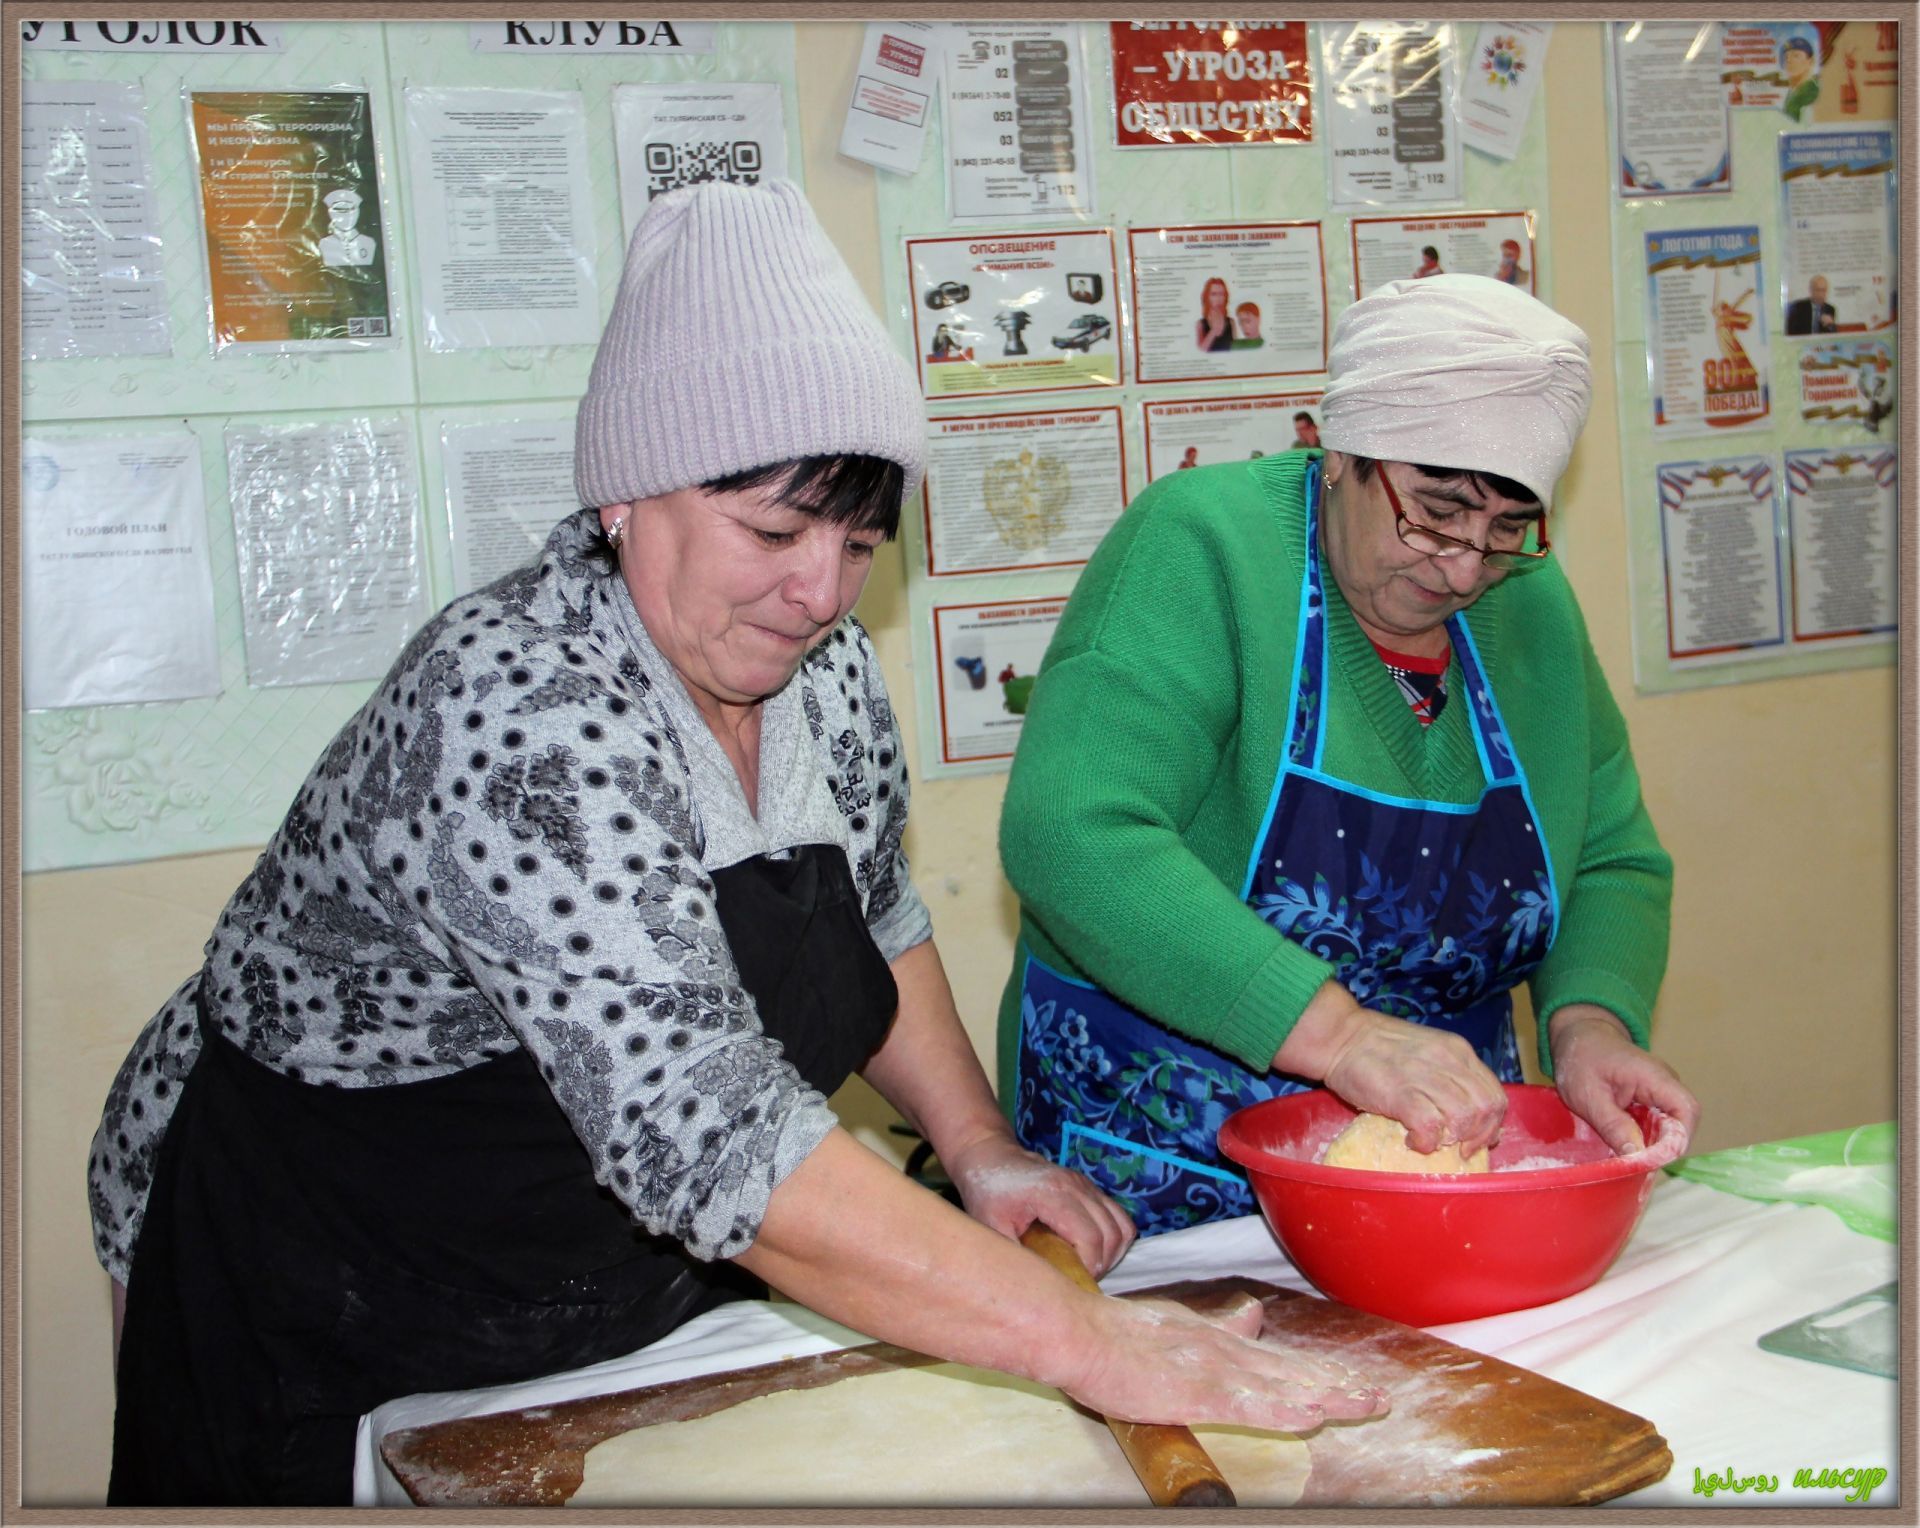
{"x":1157,"y":1361}
{"x":1428,"y":1079}
{"x":1600,"y":1072}
{"x":1008,"y":1188}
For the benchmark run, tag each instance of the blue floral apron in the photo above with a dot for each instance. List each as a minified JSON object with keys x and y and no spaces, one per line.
{"x":1426,"y":910}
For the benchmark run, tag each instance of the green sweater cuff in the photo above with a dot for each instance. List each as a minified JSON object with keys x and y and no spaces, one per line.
{"x":1604,"y":990}
{"x":1269,"y":1006}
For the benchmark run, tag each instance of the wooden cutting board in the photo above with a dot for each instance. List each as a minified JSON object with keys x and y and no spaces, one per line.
{"x":1464,"y":1429}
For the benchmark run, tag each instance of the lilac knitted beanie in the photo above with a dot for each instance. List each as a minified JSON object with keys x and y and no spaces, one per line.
{"x":739,"y":338}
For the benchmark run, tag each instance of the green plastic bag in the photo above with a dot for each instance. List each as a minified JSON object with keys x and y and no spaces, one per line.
{"x":1854,"y":1173}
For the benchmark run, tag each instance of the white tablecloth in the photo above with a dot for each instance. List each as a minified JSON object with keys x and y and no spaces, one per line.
{"x":1670,"y":1334}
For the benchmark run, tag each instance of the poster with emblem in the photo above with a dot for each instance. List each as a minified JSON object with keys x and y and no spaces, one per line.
{"x":1720,"y":538}
{"x":1706,"y":336}
{"x":986,"y":658}
{"x":1505,"y":66}
{"x":1008,"y":492}
{"x":1842,"y":523}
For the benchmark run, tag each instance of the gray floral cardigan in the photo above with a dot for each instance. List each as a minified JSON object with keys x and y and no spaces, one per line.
{"x":509,"y":845}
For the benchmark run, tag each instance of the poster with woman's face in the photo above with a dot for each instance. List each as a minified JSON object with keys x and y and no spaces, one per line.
{"x":1228,"y":300}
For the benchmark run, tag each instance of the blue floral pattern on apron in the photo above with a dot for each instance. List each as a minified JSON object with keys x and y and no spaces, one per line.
{"x":1429,"y":911}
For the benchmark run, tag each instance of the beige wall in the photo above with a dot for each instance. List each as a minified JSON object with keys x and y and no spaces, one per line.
{"x":1776,"y":799}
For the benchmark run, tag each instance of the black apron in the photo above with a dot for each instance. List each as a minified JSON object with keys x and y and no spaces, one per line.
{"x":309,"y":1253}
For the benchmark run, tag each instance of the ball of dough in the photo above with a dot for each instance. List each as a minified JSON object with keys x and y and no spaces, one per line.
{"x":1375,"y":1143}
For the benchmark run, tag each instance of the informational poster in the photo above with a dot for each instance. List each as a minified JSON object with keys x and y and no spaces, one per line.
{"x":326,"y":524}
{"x":1720,"y":534}
{"x":1847,"y":381}
{"x":1706,"y":341}
{"x":987,"y":657}
{"x":1200,"y":432}
{"x":1389,"y":119}
{"x":893,"y":85}
{"x":290,"y":213}
{"x":1014,"y":312}
{"x":1673,"y":133}
{"x":1228,"y":300}
{"x":1839,"y":211}
{"x":1507,"y":62}
{"x":1814,"y":72}
{"x":1006,"y":492}
{"x":90,"y":275}
{"x":1496,"y":244}
{"x":502,"y":217}
{"x":669,"y":136}
{"x":1842,"y":522}
{"x":1016,"y":122}
{"x":508,"y":484}
{"x":1188,"y":84}
{"x":116,"y":592}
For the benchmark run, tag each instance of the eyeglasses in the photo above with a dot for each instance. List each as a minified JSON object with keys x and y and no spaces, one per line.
{"x":1429,"y":542}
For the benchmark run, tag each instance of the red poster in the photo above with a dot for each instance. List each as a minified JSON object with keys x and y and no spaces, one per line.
{"x":1180,"y":84}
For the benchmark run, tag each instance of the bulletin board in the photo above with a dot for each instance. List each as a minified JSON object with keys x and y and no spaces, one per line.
{"x":1696,"y":614}
{"x":1273,"y":183}
{"x":116,"y":783}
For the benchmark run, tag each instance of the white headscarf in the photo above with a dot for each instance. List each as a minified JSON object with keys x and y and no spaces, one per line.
{"x":1458,"y":371}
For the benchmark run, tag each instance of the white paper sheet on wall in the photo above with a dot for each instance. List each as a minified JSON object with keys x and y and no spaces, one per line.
{"x":326,"y":526}
{"x":117,"y":596}
{"x":892,"y":97}
{"x":508,"y":485}
{"x":668,"y":136}
{"x":502,"y":217}
{"x":1018,"y":135}
{"x":1503,"y":74}
{"x":90,"y":275}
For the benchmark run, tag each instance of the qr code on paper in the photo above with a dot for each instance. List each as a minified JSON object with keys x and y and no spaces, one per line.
{"x":366,"y":328}
{"x":672,"y":165}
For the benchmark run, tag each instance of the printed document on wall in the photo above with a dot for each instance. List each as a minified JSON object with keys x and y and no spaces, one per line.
{"x":1720,"y":533}
{"x":669,"y":136}
{"x":1839,"y":209}
{"x":117,"y":595}
{"x":1841,"y":520}
{"x":90,"y":274}
{"x":508,"y":484}
{"x":326,"y":525}
{"x":502,"y":217}
{"x":1392,"y":135}
{"x":1016,"y":119}
{"x":900,"y":63}
{"x":1670,"y":110}
{"x":1504,"y":70}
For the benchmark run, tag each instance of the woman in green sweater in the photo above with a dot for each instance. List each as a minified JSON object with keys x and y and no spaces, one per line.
{"x":1319,"y":766}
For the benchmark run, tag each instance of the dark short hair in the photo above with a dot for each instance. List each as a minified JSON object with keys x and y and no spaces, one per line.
{"x":863,"y":492}
{"x":1485,"y":482}
{"x":1303,"y":414}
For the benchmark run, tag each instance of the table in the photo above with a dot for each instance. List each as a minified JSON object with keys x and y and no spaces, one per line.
{"x":1669,"y":1333}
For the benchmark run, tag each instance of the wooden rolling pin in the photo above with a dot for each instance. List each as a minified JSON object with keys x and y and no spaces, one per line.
{"x":1170,"y":1462}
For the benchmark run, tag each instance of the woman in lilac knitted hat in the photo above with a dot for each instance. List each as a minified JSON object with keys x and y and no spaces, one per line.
{"x":513,"y":1051}
{"x":1319,"y":766}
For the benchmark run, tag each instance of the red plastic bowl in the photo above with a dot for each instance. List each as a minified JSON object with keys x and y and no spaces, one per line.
{"x":1428,"y":1250}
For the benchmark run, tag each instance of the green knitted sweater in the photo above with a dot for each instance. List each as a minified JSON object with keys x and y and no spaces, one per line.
{"x":1156,"y":727}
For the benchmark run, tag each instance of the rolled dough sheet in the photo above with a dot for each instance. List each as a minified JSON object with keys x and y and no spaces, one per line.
{"x":945,"y":1435}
